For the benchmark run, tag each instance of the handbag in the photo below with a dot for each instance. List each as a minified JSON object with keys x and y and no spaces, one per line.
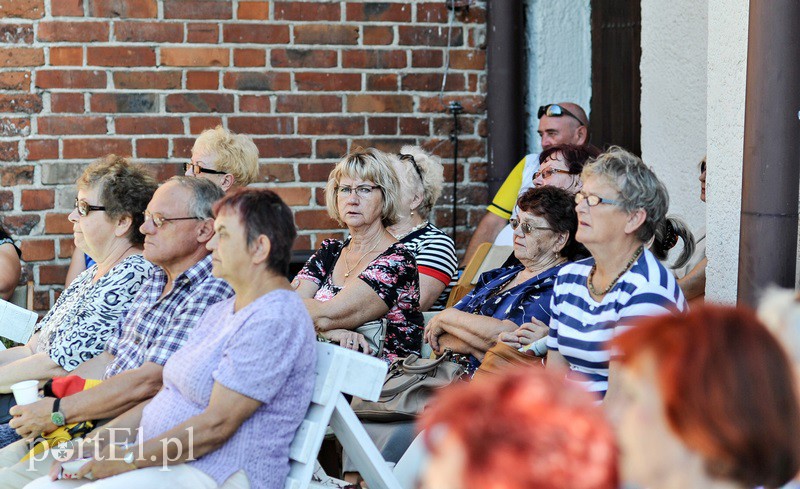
{"x":408,"y":387}
{"x":373,"y":331}
{"x":501,"y":357}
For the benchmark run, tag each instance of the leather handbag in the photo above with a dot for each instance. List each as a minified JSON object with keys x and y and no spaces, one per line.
{"x":375,"y":334}
{"x":408,"y":387}
{"x":500,"y":358}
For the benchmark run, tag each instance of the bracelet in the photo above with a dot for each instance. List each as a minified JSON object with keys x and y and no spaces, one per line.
{"x":540,"y":343}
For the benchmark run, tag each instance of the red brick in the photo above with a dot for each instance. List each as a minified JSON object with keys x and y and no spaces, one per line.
{"x":320,"y":237}
{"x":373,"y":59}
{"x":380,"y":103}
{"x":302,"y":242}
{"x":195,"y":57}
{"x":148,"y":125}
{"x":326,"y":34}
{"x":413,"y":35}
{"x":15,"y":80}
{"x":253,"y":11}
{"x":57,"y":223}
{"x":473,"y":104}
{"x":328,"y":81}
{"x":444,"y":125}
{"x":38,"y":250}
{"x":148,"y":32}
{"x":308,"y":103}
{"x":414,"y":126}
{"x":432,"y":82}
{"x":478,"y":172}
{"x":382,"y":83}
{"x":41,"y":149}
{"x":261,"y":125}
{"x":9,"y":151}
{"x":20,"y":225}
{"x":314,"y":219}
{"x":155,"y":80}
{"x":16,"y":33}
{"x":254,"y":103}
{"x":125,"y":103}
{"x":73,"y":31}
{"x":427,"y":58}
{"x":21,"y":103}
{"x":163,"y":172}
{"x":315,"y":172}
{"x":67,"y":56}
{"x":198,"y":9}
{"x":276,"y":172}
{"x":152,"y":148}
{"x":37,"y":200}
{"x":331,"y":148}
{"x":379,"y":12}
{"x":468,"y":59}
{"x":95,"y":148}
{"x":308,"y":11}
{"x":67,"y":8}
{"x":123,"y":8}
{"x":182,"y":147}
{"x":66,"y":247}
{"x":62,"y":125}
{"x":330,"y":125}
{"x":199,"y":102}
{"x":14,"y":126}
{"x":21,"y":57}
{"x":293,"y":195}
{"x":27,"y":9}
{"x":52,"y":274}
{"x":432,"y":13}
{"x":200,"y":124}
{"x":303,"y":58}
{"x":12,"y":175}
{"x":249,"y":57}
{"x":283,"y":147}
{"x":66,"y":102}
{"x":202,"y":33}
{"x":378,"y":35}
{"x":257,"y":81}
{"x":382,"y":125}
{"x":70,"y":79}
{"x":120,"y":56}
{"x":256,"y":33}
{"x":387,"y":145}
{"x":202,"y":80}
{"x":41,"y":300}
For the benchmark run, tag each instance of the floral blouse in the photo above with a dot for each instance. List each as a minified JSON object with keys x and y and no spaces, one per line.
{"x":393,"y":276}
{"x":87,"y":313}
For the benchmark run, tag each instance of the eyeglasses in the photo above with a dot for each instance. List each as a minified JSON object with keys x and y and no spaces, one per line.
{"x":197,"y":169}
{"x":413,"y":162}
{"x":361,"y":190}
{"x":84,"y":208}
{"x":555,"y":110}
{"x":549,"y":173}
{"x":159,"y":220}
{"x":527,"y":228}
{"x":593,"y":200}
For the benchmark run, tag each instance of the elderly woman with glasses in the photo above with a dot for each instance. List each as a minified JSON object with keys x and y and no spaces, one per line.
{"x":505,"y":299}
{"x":112,"y":193}
{"x":619,"y":207}
{"x":370,"y":275}
{"x":421,"y":175}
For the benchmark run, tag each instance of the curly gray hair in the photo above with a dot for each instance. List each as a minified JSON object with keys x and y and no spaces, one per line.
{"x":421,"y":172}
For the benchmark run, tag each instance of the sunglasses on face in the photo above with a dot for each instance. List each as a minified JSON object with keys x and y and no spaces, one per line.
{"x":159,"y":220}
{"x":84,"y":208}
{"x":526,"y":227}
{"x":593,"y":200}
{"x":555,"y":110}
{"x":361,"y":190}
{"x":197,"y":169}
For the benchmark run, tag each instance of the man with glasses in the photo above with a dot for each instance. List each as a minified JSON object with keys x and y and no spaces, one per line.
{"x":561,"y":123}
{"x":178,"y":225}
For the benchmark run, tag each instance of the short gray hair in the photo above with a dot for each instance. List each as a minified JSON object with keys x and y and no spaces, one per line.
{"x":428,"y":182}
{"x":204,"y":194}
{"x":637,"y":184}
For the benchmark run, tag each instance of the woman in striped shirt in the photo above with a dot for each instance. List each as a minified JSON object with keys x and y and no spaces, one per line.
{"x":618,"y":208}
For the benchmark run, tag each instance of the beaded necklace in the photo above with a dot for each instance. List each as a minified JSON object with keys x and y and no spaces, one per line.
{"x":619,"y":275}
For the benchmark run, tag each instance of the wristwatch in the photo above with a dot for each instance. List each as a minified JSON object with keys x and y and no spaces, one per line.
{"x":58,"y":417}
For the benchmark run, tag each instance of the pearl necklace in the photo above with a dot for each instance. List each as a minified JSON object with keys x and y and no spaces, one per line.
{"x":415,"y":228}
{"x":347,"y":256}
{"x":619,"y":275}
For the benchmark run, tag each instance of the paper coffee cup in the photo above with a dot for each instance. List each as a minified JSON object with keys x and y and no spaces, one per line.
{"x":26,"y":392}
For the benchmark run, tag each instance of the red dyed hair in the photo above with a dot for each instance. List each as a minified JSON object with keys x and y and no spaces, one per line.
{"x":727,"y":389}
{"x":527,"y":429}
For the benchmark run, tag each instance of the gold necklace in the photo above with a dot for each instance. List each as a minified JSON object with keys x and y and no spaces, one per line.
{"x":619,"y":275}
{"x":348,"y":267}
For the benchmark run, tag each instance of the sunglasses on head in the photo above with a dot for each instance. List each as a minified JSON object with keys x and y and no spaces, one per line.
{"x":555,"y":110}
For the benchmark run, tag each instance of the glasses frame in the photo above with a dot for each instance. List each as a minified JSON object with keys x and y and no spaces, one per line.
{"x":527,"y":228}
{"x":407,"y":157}
{"x":84,"y":210}
{"x":362,"y":191}
{"x":159,"y":220}
{"x":555,"y":110}
{"x":197,"y":169}
{"x":583,"y":196}
{"x":551,"y":172}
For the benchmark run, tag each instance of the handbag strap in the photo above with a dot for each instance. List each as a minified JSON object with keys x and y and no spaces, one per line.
{"x":409,"y":367}
{"x":393,"y":391}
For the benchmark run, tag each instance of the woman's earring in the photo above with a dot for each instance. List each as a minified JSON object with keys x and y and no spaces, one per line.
{"x":412,"y":213}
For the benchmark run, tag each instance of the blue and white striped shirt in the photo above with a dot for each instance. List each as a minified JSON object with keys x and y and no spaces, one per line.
{"x":580,"y":327}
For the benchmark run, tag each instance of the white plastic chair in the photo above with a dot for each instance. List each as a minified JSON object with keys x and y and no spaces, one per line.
{"x":339,"y":371}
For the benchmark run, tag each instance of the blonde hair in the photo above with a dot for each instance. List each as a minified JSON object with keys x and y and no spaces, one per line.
{"x":428,"y":182}
{"x":236,"y":153}
{"x":366,"y":164}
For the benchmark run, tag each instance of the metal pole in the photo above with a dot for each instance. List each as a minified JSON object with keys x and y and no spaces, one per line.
{"x":455,"y":109}
{"x":771,"y":171}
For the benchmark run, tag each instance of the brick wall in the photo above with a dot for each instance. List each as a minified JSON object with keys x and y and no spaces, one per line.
{"x":307,"y":79}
